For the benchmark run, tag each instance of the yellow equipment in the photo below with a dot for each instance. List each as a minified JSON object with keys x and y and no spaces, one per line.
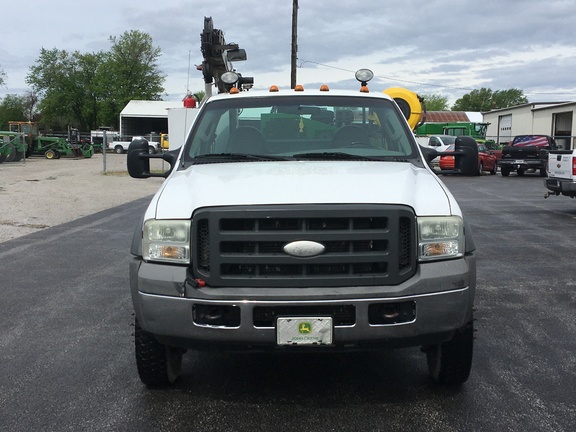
{"x":411,"y":105}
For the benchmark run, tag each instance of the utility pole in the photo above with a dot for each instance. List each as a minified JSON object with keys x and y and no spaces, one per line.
{"x":294,"y":56}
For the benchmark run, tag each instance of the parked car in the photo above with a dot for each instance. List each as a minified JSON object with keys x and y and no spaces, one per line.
{"x":486,"y":160}
{"x":492,"y":146}
{"x":440,"y":143}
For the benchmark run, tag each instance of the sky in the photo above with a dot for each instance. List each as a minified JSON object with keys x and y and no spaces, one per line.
{"x":439,"y":47}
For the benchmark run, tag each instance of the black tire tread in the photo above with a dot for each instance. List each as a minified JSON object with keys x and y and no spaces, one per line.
{"x":455,"y":358}
{"x":151,"y":359}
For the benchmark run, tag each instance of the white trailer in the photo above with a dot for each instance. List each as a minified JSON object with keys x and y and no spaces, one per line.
{"x":179,"y":122}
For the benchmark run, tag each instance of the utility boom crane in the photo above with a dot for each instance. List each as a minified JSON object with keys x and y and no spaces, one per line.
{"x":218,"y":58}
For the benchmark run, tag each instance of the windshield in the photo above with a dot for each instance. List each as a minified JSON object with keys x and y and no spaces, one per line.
{"x":300,"y":127}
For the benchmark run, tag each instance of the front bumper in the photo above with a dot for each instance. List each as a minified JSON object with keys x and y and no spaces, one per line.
{"x":440,"y":297}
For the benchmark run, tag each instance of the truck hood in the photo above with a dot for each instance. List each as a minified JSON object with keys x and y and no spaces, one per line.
{"x":301,"y":182}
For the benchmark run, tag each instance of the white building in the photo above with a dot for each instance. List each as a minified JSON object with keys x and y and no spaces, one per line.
{"x":143,"y":117}
{"x":546,"y":118}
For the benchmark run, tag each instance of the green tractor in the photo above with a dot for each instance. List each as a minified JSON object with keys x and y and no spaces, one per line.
{"x":12,"y":147}
{"x":52,"y":147}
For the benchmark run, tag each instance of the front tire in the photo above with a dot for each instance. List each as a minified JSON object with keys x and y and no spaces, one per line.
{"x":505,"y":171}
{"x":119,"y":149}
{"x":450,"y":362}
{"x":50,"y":154}
{"x":158,"y":364}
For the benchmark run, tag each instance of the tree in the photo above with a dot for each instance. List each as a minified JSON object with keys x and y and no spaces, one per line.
{"x":485,"y":100}
{"x":199,"y":95}
{"x":508,"y":98}
{"x":89,"y":90}
{"x":435,"y":102}
{"x":30,"y":103}
{"x":130,"y":72}
{"x":65,"y":82}
{"x":12,"y":108}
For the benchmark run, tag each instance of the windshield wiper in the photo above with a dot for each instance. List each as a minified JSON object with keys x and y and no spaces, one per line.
{"x":333,"y":156}
{"x":235,"y":157}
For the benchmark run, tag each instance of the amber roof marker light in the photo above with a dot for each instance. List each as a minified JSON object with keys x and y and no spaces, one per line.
{"x":363,"y":76}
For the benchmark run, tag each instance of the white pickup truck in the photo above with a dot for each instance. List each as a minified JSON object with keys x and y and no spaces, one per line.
{"x":561,"y":173}
{"x":120,"y":147}
{"x":301,"y":221}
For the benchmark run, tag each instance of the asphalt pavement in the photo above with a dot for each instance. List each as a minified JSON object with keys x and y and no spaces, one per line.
{"x":67,"y":361}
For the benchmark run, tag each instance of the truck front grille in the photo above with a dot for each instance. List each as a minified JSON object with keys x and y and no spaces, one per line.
{"x":363,"y":245}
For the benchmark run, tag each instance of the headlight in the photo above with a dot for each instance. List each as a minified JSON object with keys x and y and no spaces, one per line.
{"x":167,"y":241}
{"x":440,"y":238}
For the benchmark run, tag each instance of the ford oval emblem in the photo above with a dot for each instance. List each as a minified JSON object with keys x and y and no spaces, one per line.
{"x":304,"y":248}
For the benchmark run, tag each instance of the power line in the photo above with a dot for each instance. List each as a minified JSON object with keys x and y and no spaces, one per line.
{"x":570,"y":92}
{"x":387,"y":77}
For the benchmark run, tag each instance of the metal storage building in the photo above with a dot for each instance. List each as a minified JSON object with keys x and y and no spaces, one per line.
{"x":547,"y":118}
{"x":143,"y":118}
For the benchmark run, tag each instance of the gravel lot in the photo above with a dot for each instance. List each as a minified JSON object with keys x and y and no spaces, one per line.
{"x":38,"y":193}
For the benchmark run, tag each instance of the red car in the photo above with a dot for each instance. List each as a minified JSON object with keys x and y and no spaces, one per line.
{"x":486,"y":160}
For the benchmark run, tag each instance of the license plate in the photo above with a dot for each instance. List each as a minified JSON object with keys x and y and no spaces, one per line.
{"x":519,"y":161}
{"x":304,"y":330}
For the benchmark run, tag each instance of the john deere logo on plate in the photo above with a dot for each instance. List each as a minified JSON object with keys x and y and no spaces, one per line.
{"x":305,"y":328}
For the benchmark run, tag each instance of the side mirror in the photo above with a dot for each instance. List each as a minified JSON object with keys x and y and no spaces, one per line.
{"x":138,"y":166}
{"x":138,"y":160}
{"x":466,"y":153}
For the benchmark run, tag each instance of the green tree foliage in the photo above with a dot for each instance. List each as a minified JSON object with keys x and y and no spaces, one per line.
{"x":508,"y":98}
{"x":89,"y":90}
{"x":485,"y":99}
{"x":435,"y":102}
{"x":199,"y":95}
{"x":12,"y":108}
{"x":65,"y":82}
{"x":130,"y":72}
